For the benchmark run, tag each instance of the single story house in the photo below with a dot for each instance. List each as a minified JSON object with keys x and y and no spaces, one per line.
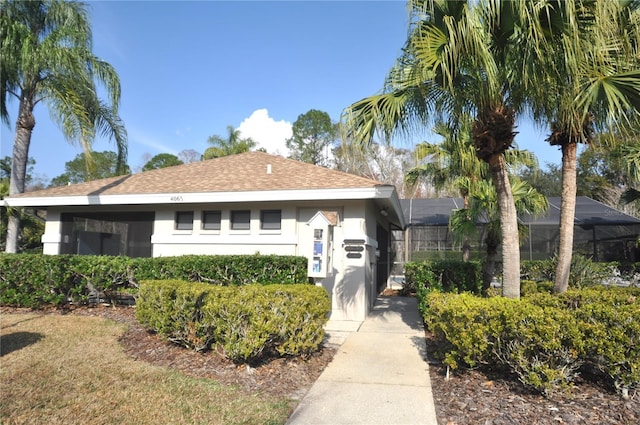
{"x":248,"y":203}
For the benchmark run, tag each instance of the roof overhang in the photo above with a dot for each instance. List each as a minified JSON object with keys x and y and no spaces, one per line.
{"x":376,"y":192}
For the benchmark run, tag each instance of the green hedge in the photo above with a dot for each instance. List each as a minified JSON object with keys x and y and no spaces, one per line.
{"x":31,"y":280}
{"x":445,"y":276}
{"x":246,"y":322}
{"x":543,"y":339}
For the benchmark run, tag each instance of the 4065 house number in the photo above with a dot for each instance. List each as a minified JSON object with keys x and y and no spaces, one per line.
{"x":176,"y":198}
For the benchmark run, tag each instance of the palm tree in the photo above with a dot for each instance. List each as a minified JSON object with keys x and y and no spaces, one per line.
{"x":632,"y":156}
{"x":452,"y":162}
{"x":595,"y":76}
{"x":483,"y":209}
{"x":463,"y":58}
{"x":232,"y":145}
{"x":46,"y":57}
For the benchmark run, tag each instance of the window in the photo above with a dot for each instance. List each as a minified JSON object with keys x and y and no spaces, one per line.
{"x":270,"y":219}
{"x":184,"y":220}
{"x":240,"y":220}
{"x":211,"y":220}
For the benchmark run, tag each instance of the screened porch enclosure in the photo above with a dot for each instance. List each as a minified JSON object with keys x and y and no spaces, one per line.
{"x":600,"y":232}
{"x":107,"y":233}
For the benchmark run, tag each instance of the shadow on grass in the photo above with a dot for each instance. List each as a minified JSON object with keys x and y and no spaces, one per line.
{"x":17,"y":341}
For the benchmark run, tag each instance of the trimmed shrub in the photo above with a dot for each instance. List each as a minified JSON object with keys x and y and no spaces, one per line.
{"x":445,"y":276}
{"x":30,"y":280}
{"x":246,"y":322}
{"x":224,"y":269}
{"x":543,"y":339}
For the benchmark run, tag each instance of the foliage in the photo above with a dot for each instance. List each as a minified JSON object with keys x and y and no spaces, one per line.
{"x":246,"y":322}
{"x":584,"y":272}
{"x":5,"y":169}
{"x":162,"y":160}
{"x":83,"y":168}
{"x":313,"y":136}
{"x":46,"y":57}
{"x":442,"y":276}
{"x":232,"y":145}
{"x":187,"y":156}
{"x":547,"y":181}
{"x":28,"y":280}
{"x":379,"y":162}
{"x":224,"y":269}
{"x":464,"y":58}
{"x":543,"y":339}
{"x":591,"y":89}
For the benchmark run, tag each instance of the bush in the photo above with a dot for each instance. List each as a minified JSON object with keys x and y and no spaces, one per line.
{"x":530,"y":287}
{"x":29,"y":280}
{"x":543,"y":339}
{"x":224,"y":269}
{"x":445,"y":276}
{"x":246,"y":322}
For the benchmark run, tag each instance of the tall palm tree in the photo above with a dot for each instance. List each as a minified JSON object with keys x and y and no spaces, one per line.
{"x":46,"y":56}
{"x":483,"y":209}
{"x":232,"y":145}
{"x":595,"y":76}
{"x":463,"y":58}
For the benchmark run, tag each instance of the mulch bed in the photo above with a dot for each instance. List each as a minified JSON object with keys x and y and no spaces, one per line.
{"x":469,"y":397}
{"x":476,"y":397}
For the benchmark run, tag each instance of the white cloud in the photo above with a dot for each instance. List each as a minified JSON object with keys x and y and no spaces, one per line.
{"x":267,"y":132}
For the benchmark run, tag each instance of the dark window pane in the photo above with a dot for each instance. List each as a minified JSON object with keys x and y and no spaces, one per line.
{"x":184,"y":220}
{"x":270,"y":219}
{"x":241,"y":220}
{"x":211,"y":220}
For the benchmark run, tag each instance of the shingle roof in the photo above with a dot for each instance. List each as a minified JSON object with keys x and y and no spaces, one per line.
{"x":250,"y":171}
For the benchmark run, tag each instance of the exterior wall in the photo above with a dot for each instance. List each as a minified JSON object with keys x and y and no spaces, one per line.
{"x":351,"y":282}
{"x":52,"y":233}
{"x":167,"y":241}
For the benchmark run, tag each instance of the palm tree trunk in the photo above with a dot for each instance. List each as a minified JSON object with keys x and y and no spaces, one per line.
{"x":509,"y":226}
{"x":24,"y":127}
{"x":567,"y":215}
{"x":489,"y":266}
{"x":466,"y":242}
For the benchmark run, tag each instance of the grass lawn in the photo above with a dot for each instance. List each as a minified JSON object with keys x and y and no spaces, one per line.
{"x":71,"y":370}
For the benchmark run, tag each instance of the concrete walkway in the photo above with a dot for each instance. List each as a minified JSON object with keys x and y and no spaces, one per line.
{"x":379,"y":375}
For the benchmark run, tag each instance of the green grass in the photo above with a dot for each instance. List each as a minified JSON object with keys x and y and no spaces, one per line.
{"x":71,"y":370}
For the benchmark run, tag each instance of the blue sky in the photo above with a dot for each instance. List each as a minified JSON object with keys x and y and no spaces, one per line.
{"x":189,"y":69}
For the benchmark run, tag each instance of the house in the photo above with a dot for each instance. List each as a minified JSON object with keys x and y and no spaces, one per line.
{"x":600,"y":232}
{"x":240,"y":204}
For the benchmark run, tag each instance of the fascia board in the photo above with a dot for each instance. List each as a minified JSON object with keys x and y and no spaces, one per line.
{"x":375,"y":192}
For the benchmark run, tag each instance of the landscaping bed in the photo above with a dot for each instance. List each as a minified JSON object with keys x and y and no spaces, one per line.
{"x":467,"y":397}
{"x":473,"y":397}
{"x":288,"y":377}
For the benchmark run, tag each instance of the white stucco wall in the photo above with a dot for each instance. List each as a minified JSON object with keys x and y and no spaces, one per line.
{"x":167,"y":241}
{"x":52,"y":235}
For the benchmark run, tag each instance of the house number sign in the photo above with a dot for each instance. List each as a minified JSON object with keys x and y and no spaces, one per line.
{"x":176,"y":198}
